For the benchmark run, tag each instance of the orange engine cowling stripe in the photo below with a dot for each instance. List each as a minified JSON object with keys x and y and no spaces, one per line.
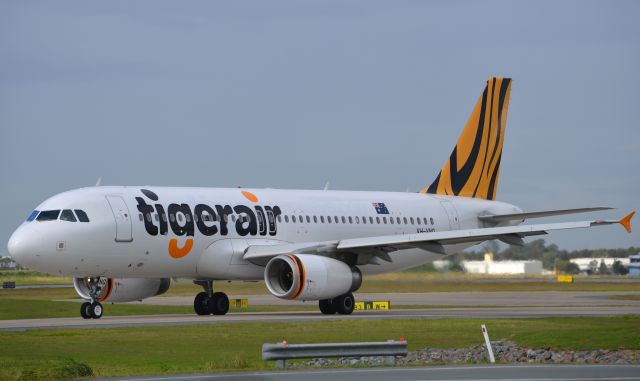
{"x":108,"y":291}
{"x":300,"y":284}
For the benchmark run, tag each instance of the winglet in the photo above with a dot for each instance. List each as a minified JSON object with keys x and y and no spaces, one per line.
{"x":626,"y":221}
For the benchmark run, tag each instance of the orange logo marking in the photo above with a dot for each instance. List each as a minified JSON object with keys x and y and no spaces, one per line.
{"x":179,"y":252}
{"x":250,"y":196}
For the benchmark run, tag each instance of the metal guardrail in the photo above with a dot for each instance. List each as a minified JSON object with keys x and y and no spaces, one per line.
{"x":283,"y":351}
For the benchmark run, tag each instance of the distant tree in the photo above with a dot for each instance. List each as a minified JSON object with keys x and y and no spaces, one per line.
{"x":619,"y":269}
{"x":602,"y":269}
{"x":566,"y":267}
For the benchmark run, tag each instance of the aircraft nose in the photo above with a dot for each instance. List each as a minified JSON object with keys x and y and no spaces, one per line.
{"x":19,"y":246}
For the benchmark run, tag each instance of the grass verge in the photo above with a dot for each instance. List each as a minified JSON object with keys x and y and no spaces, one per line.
{"x":204,"y":348}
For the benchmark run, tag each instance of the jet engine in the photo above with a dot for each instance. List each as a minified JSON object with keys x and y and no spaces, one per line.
{"x":310,"y":277}
{"x":120,"y":290}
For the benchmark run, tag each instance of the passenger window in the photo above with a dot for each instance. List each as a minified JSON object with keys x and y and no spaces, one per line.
{"x":279,"y":218}
{"x":164,"y":217}
{"x":322,"y":219}
{"x":335,"y":218}
{"x":391,"y":220}
{"x":293,"y":218}
{"x":411,"y":219}
{"x":233,"y":218}
{"x":384,"y":220}
{"x":286,"y":218}
{"x":329,"y":219}
{"x":398,"y":220}
{"x":350,"y":220}
{"x":300,"y":219}
{"x":431,"y":220}
{"x":364,"y":220}
{"x":377,"y":220}
{"x":418,"y":220}
{"x":48,"y":215}
{"x":315,"y":219}
{"x":425,"y":221}
{"x":148,"y":217}
{"x":32,"y":216}
{"x":67,"y":215}
{"x":308,"y":220}
{"x":344,"y":220}
{"x":172,"y":218}
{"x":404,"y":219}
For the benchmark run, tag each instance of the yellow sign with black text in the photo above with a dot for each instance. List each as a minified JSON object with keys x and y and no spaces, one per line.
{"x":372,"y":306}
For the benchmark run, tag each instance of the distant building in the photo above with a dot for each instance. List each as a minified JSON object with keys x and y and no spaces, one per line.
{"x":591,"y":265}
{"x":634,"y":264}
{"x":489,"y":266}
{"x":6,"y":263}
{"x":442,"y":264}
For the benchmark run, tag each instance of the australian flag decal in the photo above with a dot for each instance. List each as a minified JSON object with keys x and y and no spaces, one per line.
{"x":380,"y":208}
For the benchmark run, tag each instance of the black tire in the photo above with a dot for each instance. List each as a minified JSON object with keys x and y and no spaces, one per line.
{"x":219,"y":303}
{"x":84,"y":310}
{"x":200,"y":304}
{"x":327,"y":307}
{"x":344,"y":304}
{"x":95,"y":309}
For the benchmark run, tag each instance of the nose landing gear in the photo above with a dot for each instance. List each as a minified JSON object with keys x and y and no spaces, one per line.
{"x":93,"y":309}
{"x":209,"y":302}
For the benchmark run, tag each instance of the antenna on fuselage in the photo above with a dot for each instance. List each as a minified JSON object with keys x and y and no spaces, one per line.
{"x":99,"y":182}
{"x":326,"y":186}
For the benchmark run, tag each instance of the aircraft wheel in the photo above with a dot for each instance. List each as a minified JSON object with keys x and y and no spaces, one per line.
{"x":327,"y":306}
{"x":219,"y":303}
{"x":345,"y":304}
{"x":200,"y":304}
{"x":95,"y":309}
{"x":84,"y":310}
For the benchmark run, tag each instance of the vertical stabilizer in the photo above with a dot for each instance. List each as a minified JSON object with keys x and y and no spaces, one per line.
{"x":474,"y":165}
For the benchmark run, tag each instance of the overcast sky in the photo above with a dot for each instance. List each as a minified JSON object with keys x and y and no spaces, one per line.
{"x":290,"y":94}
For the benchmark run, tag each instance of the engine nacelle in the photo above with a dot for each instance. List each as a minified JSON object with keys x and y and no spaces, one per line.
{"x":121,"y":290}
{"x":310,"y":277}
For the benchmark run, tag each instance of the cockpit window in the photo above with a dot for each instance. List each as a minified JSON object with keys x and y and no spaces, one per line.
{"x":33,"y":215}
{"x":48,"y":215}
{"x":67,"y":215}
{"x":82,"y":216}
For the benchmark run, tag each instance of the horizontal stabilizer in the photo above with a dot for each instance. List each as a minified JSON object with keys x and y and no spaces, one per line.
{"x":546,"y":213}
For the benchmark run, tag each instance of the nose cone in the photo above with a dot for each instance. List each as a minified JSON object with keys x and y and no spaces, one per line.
{"x":20,"y":247}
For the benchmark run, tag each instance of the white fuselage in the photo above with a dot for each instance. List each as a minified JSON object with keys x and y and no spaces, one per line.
{"x":129,"y":233}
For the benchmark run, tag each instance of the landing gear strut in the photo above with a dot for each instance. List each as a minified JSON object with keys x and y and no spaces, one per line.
{"x":343,"y":304}
{"x":93,"y":309}
{"x":209,"y":302}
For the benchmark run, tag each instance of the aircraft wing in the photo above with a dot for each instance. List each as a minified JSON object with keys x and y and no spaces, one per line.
{"x":370,"y":248}
{"x":496,"y":218}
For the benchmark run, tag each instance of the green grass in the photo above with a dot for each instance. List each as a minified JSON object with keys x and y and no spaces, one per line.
{"x":625,"y":297}
{"x":203,"y":348}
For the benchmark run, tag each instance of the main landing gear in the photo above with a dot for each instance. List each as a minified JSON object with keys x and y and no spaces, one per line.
{"x":343,"y":304}
{"x":209,"y":302}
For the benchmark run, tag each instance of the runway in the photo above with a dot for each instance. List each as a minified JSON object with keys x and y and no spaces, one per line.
{"x":426,"y":313}
{"x":448,"y":373}
{"x":452,"y":299}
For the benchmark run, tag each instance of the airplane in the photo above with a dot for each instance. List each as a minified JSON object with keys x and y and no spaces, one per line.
{"x":125,"y":243}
